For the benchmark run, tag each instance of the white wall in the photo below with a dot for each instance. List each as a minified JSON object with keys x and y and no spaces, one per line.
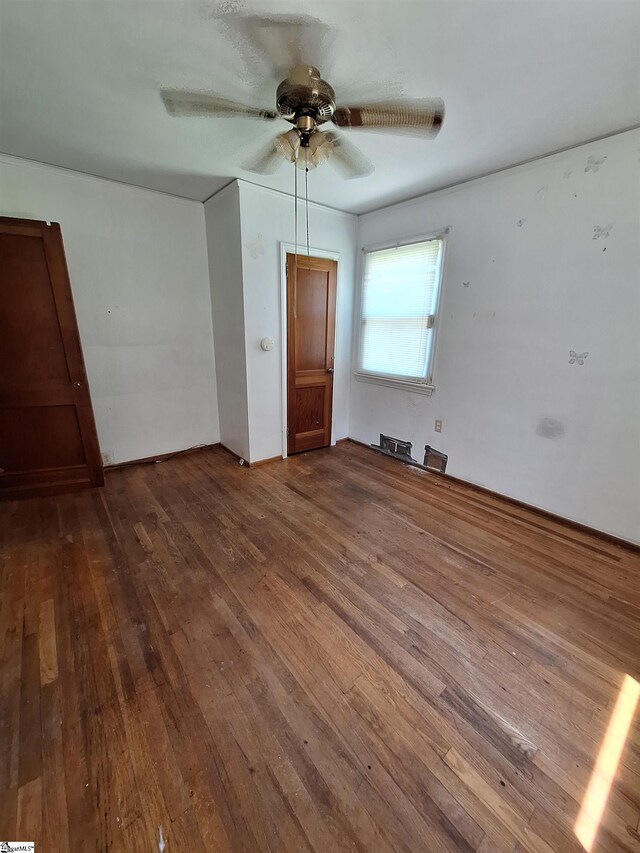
{"x":222,"y":214}
{"x":138,"y":266}
{"x":536,"y":290}
{"x":267,"y":219}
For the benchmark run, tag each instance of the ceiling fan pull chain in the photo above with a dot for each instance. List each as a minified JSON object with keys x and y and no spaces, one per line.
{"x":306,"y":200}
{"x":295,"y":239}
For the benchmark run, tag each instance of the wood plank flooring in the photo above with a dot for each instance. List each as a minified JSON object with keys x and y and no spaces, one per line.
{"x":334,"y":652}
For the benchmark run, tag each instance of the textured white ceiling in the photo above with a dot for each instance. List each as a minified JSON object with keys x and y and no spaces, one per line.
{"x":520,"y":78}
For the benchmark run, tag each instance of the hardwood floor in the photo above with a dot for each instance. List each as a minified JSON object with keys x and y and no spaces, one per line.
{"x":331,"y":653}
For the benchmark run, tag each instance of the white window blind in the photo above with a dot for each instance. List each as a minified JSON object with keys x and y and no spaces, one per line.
{"x":399,"y":299}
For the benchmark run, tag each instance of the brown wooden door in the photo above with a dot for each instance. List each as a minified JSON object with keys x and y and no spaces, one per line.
{"x":48,"y":437}
{"x":311,"y":323}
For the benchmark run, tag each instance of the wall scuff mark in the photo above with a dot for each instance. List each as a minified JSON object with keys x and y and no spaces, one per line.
{"x":593,"y":165}
{"x":255,"y":246}
{"x":578,"y":357}
{"x":601,"y":232}
{"x":550,"y":428}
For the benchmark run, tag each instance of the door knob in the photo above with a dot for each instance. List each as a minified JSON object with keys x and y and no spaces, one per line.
{"x":329,"y":369}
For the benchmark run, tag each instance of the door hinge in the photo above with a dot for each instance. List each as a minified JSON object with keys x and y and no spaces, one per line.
{"x":287,"y":432}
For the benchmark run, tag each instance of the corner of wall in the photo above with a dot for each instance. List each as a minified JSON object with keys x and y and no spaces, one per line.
{"x":224,"y":249}
{"x":216,"y":421}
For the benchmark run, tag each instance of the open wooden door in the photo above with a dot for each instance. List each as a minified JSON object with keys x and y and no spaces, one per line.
{"x":311,"y":323}
{"x":48,"y":437}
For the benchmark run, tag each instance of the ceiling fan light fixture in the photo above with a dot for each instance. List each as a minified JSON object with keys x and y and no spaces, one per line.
{"x":305,"y":161}
{"x":315,"y":151}
{"x":288,"y":145}
{"x":320,"y":147}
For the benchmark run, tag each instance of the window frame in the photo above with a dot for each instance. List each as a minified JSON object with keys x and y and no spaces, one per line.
{"x":421,"y":387}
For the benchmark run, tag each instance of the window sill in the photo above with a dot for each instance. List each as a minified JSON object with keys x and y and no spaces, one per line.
{"x":400,"y":384}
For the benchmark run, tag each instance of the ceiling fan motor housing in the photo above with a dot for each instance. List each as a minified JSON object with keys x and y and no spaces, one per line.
{"x":305,"y":93}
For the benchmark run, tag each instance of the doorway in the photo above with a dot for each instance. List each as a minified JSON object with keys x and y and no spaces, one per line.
{"x":48,"y":438}
{"x":311,"y":323}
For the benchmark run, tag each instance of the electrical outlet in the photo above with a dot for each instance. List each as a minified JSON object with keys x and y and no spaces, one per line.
{"x":438,"y":426}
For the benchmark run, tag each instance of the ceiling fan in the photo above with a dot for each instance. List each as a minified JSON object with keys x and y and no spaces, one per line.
{"x":308,"y":103}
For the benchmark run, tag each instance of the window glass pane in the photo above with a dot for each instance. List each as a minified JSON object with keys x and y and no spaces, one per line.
{"x":400,"y":291}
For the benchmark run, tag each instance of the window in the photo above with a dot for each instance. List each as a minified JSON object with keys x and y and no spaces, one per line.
{"x":399,"y":299}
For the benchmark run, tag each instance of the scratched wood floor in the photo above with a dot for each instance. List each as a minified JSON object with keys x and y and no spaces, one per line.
{"x":331,"y":653}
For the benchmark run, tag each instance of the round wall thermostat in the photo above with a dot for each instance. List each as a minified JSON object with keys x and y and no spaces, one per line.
{"x":266,"y":344}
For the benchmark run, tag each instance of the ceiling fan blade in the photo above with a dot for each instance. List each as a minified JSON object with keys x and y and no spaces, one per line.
{"x":282,"y":41}
{"x":180,"y":103}
{"x":417,"y":117}
{"x":348,"y":160}
{"x":266,"y":161}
